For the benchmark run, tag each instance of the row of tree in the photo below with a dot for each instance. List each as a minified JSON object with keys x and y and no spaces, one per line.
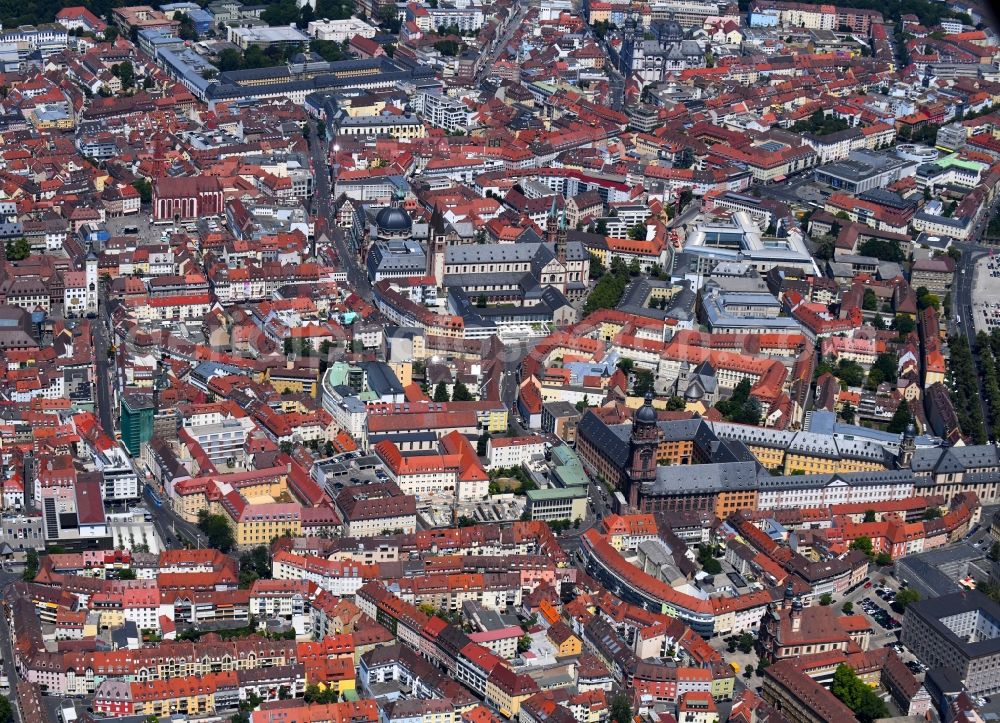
{"x":965,"y":391}
{"x":610,"y":287}
{"x":459,"y":393}
{"x":988,"y":347}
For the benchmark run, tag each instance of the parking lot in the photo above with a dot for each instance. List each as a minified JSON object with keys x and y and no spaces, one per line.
{"x":985,"y":292}
{"x":884,"y":617}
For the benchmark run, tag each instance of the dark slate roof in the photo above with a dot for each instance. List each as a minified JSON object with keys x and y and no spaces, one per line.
{"x":612,"y":439}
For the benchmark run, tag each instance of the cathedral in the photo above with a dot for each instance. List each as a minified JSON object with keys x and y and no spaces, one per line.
{"x":651,"y":60}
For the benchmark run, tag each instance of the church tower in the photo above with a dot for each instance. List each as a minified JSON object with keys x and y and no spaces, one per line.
{"x":555,"y":230}
{"x":561,"y":234}
{"x":90,"y":270}
{"x":437,"y":243}
{"x":907,"y":446}
{"x":632,"y":33}
{"x":642,"y":445}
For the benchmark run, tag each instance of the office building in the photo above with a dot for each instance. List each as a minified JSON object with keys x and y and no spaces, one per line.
{"x":136,"y":421}
{"x":959,"y":632}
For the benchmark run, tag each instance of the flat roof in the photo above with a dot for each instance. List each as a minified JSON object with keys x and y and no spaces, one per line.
{"x":935,"y":609}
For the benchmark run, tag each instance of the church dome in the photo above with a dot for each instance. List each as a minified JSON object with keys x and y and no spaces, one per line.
{"x":393,"y":221}
{"x":646,"y":414}
{"x":670,"y":31}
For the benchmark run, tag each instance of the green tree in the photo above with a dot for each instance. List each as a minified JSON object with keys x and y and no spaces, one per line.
{"x":596,"y":267}
{"x":870,"y":302}
{"x":925,"y":298}
{"x":185,"y":31}
{"x":994,"y":553}
{"x":523,"y":643}
{"x":306,"y":16}
{"x":621,"y":709}
{"x":388,"y":15}
{"x":482,"y":443}
{"x":18,"y":249}
{"x":30,"y":564}
{"x":856,"y":695}
{"x":125,"y":72}
{"x":441,"y":392}
{"x":887,"y":365}
{"x":283,"y":12}
{"x":882,"y":250}
{"x":901,"y":418}
{"x":448,"y":47}
{"x":145,"y":189}
{"x":229,"y":59}
{"x":847,"y":413}
{"x":745,"y":642}
{"x":883,"y":559}
{"x":327,"y":49}
{"x":217,"y":529}
{"x":637,"y":232}
{"x":676,"y":404}
{"x":729,"y":407}
{"x":826,"y":599}
{"x":820,"y":124}
{"x":903,"y":325}
{"x":863,"y":543}
{"x":706,"y":558}
{"x":255,"y":565}
{"x":850,"y":373}
{"x":869,"y":516}
{"x":847,"y":608}
{"x":461,"y":393}
{"x":609,"y":289}
{"x":643,"y":383}
{"x":906,"y":596}
{"x":320,"y":696}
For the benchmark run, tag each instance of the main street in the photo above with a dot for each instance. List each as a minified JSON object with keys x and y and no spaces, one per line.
{"x":171,"y":528}
{"x":105,"y":373}
{"x":357,"y":277}
{"x":964,"y":289}
{"x":6,"y":579}
{"x":520,"y":11}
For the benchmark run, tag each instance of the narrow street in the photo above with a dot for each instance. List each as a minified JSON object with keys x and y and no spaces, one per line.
{"x":7,"y":578}
{"x":357,"y":277}
{"x":105,"y":374}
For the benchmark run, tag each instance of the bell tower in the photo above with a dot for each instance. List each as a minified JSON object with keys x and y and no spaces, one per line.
{"x":644,"y":440}
{"x":437,"y":243}
{"x":907,"y":446}
{"x":90,"y":271}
